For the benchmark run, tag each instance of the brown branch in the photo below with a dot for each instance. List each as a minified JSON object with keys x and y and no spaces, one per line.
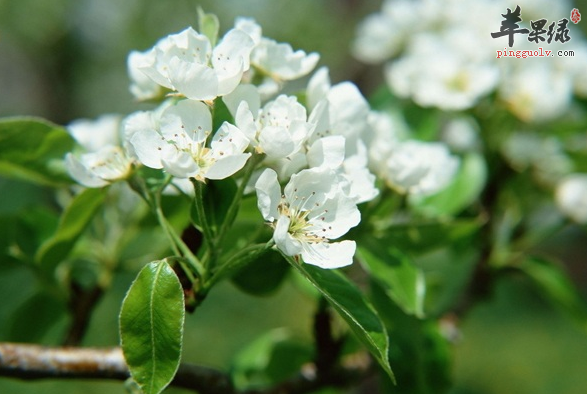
{"x":81,"y":305}
{"x":28,"y":362}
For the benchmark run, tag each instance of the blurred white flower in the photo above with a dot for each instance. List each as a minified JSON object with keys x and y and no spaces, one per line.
{"x":461,"y":134}
{"x":571,"y":197}
{"x":179,"y":146}
{"x":310,"y":213}
{"x":420,"y":168}
{"x":103,"y":161}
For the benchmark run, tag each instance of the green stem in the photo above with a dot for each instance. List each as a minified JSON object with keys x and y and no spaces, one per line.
{"x":209,"y":238}
{"x":239,"y":260}
{"x":235,"y":204}
{"x":153,"y":199}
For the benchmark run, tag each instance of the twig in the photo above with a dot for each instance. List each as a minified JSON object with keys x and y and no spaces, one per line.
{"x":28,"y":362}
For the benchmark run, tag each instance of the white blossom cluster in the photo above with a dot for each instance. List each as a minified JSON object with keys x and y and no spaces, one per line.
{"x":441,"y":54}
{"x":324,"y":150}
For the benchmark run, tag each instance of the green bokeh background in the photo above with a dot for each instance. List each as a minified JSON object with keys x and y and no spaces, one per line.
{"x":65,"y":59}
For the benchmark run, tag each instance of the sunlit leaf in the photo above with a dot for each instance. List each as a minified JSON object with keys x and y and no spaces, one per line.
{"x":352,"y":306}
{"x":397,"y":274}
{"x":151,"y":326}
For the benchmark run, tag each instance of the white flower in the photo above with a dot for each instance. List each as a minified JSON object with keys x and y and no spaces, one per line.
{"x":420,"y":168}
{"x":186,"y":62}
{"x":278,"y":129}
{"x":274,"y":62}
{"x":97,"y":169}
{"x":571,"y":197}
{"x":179,"y":145}
{"x":311,"y":212}
{"x":93,"y":135}
{"x":461,"y":134}
{"x":103,"y":161}
{"x":142,"y":87}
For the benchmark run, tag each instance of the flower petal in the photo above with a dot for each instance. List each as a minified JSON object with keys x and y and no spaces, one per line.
{"x":283,"y":239}
{"x":227,"y":166}
{"x":268,"y":194}
{"x":329,"y":255}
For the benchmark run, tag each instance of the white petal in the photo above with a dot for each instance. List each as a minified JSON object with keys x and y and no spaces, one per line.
{"x":327,"y":152}
{"x":148,"y":145}
{"x":246,"y":122}
{"x":334,"y":217}
{"x":243,"y":93}
{"x":329,"y":255}
{"x":227,"y":166}
{"x":228,"y":140}
{"x":187,"y":116}
{"x":196,"y":81}
{"x":268,"y":194}
{"x":283,"y":239}
{"x":318,"y":87}
{"x":81,"y":174}
{"x":276,"y":142}
{"x":179,"y":163}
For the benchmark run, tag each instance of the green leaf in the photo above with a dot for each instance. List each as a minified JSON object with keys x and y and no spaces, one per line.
{"x":270,"y":359}
{"x":218,"y":196}
{"x":73,"y":221}
{"x":420,"y":354}
{"x":397,"y":274}
{"x":262,"y":276}
{"x":556,"y":286}
{"x":348,"y":301}
{"x":419,"y":238}
{"x":33,"y":149}
{"x":461,"y":193}
{"x":209,"y":25}
{"x":151,"y":326}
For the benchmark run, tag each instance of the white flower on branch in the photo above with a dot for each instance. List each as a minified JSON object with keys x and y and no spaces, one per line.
{"x":179,"y":144}
{"x":420,"y":168}
{"x":310,"y":213}
{"x":103,"y":161}
{"x":186,"y":63}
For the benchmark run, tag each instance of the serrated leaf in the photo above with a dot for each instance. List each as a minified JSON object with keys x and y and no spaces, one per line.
{"x":32,"y":149}
{"x":556,"y":286}
{"x":151,"y":326}
{"x":461,"y":193}
{"x":72,"y":223}
{"x":352,"y":306}
{"x":397,"y":274}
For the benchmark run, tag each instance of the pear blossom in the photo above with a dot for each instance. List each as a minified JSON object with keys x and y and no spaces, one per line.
{"x":142,"y":87}
{"x":571,"y":197}
{"x":103,"y":160}
{"x":186,"y":62}
{"x":273,"y":61}
{"x":310,"y":213}
{"x":278,"y":129}
{"x":178,"y":144}
{"x":420,"y":168}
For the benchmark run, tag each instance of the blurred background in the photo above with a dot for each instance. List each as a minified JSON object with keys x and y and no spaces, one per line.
{"x":66,"y":59}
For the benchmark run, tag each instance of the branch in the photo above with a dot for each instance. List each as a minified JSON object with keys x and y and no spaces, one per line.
{"x":24,"y":361}
{"x":28,"y":362}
